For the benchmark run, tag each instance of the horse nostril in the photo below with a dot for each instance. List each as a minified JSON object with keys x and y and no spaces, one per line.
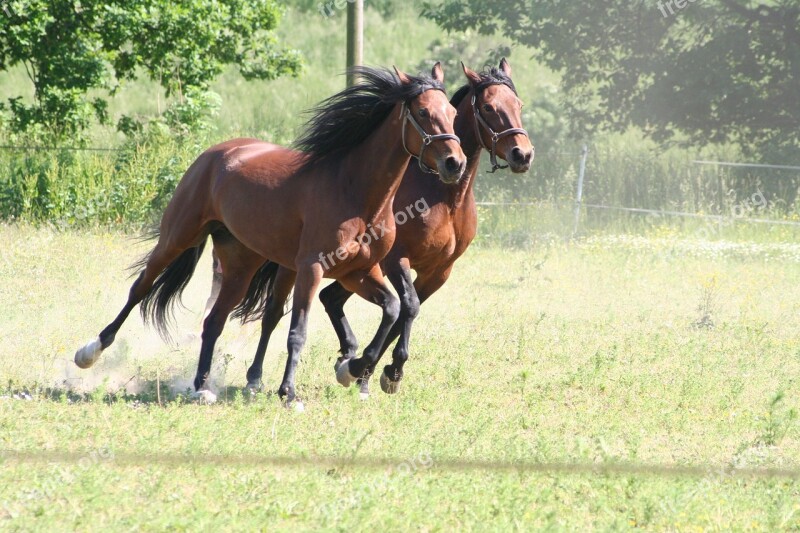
{"x":519,"y":157}
{"x":452,"y":164}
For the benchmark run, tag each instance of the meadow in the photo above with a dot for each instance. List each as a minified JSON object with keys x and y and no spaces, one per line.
{"x":535,"y":373}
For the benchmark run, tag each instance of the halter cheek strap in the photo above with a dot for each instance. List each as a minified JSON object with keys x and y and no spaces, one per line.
{"x":480,"y":121}
{"x":427,"y":139}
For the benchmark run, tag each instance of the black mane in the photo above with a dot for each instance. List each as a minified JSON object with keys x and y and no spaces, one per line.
{"x":346,"y":119}
{"x":492,"y":76}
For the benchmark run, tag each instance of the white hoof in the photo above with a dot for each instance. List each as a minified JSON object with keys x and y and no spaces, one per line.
{"x":363,"y":396}
{"x":89,"y":354}
{"x":387,"y":385}
{"x":343,"y":375}
{"x":254,"y":387}
{"x":298,"y":406}
{"x":205,"y":396}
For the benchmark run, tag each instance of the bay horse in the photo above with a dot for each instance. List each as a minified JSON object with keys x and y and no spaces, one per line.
{"x":293,"y":206}
{"x":488,"y":119}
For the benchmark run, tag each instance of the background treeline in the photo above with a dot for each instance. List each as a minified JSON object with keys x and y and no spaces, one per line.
{"x":156,"y":112}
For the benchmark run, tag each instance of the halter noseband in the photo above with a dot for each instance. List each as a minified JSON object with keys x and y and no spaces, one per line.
{"x":480,"y":121}
{"x":427,"y":139}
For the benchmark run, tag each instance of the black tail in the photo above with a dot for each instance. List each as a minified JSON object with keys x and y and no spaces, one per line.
{"x":158,"y":306}
{"x":260,"y":290}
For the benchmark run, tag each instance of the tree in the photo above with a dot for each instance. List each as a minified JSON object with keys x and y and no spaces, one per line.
{"x":701,"y":72}
{"x":72,"y":47}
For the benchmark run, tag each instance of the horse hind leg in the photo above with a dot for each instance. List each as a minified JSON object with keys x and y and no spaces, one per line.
{"x":216,"y":283}
{"x":167,"y":266}
{"x":281,"y":288}
{"x":238,"y":265}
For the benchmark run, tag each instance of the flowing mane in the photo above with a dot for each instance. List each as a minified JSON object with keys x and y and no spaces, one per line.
{"x":492,"y":76}
{"x":343,"y":121}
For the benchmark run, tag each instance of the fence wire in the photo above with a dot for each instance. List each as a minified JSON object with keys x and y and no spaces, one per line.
{"x":440,"y":464}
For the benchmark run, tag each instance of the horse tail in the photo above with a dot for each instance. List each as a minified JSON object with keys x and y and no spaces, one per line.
{"x":260,"y":291}
{"x":158,"y":306}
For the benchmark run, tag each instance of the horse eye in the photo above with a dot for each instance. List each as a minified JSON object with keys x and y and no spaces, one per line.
{"x":487,"y":108}
{"x":423,"y":113}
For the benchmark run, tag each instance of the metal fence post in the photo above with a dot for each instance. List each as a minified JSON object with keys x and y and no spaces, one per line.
{"x":579,"y":191}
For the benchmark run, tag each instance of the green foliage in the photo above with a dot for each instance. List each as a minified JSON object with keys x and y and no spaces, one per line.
{"x":71,"y":48}
{"x":716,"y":71}
{"x":88,"y":188}
{"x":130,"y":186}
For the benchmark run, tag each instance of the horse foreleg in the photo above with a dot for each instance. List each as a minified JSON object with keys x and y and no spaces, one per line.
{"x":333,"y":297}
{"x":373,"y":289}
{"x":399,"y":275}
{"x":412,"y":296}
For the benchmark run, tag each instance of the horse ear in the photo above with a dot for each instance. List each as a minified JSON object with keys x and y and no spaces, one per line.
{"x":404,"y":79}
{"x":437,"y":72}
{"x":473,"y":77}
{"x":505,"y":67}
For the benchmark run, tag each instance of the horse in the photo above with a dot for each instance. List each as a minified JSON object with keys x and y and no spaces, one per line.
{"x":292,"y":206}
{"x":488,"y":119}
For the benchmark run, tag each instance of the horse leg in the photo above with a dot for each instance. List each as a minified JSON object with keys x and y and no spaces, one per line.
{"x":237,"y":270}
{"x":333,"y":297}
{"x":216,"y":283}
{"x":411,"y":297}
{"x":162,"y":256}
{"x":284,"y":281}
{"x":399,"y":274}
{"x":308,"y":278}
{"x":373,"y":289}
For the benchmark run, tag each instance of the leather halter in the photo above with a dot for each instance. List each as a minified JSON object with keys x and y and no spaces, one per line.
{"x":427,"y":139}
{"x":480,"y":121}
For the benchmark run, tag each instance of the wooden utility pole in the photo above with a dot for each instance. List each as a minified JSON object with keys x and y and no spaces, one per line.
{"x":355,"y":37}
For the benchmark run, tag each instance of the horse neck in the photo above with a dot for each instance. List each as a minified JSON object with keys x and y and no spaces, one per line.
{"x":464,"y":127}
{"x":374,"y":169}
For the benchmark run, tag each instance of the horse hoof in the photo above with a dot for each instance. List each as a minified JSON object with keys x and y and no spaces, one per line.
{"x":343,"y":375}
{"x":338,"y":363}
{"x":298,"y":406}
{"x":89,"y":354}
{"x":387,"y":385}
{"x":254,"y":387}
{"x":364,"y":389}
{"x":205,"y":396}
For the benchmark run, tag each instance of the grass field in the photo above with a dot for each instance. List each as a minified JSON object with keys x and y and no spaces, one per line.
{"x":611,"y":350}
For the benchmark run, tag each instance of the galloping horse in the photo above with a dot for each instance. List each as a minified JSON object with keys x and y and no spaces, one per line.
{"x":294,"y":206}
{"x":488,"y":118}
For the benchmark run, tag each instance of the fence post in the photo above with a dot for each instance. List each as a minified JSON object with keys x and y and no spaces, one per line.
{"x":579,"y":191}
{"x":355,"y":38}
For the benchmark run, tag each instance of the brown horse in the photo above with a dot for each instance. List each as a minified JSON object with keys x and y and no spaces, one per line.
{"x":258,"y":200}
{"x":430,"y":242}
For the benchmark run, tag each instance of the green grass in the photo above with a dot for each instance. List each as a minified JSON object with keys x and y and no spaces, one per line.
{"x":605,"y":350}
